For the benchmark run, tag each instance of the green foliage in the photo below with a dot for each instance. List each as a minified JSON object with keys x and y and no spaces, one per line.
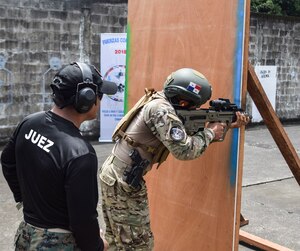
{"x":276,"y":7}
{"x":265,"y":6}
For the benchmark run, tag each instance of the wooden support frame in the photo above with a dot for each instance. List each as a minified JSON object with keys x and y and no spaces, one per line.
{"x":267,"y":112}
{"x":261,"y":243}
{"x":271,"y":120}
{"x":151,"y":30}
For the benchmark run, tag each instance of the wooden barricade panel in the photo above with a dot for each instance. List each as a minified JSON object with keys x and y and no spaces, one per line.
{"x":193,"y":204}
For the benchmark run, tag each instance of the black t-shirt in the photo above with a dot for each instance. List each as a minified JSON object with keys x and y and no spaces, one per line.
{"x":53,"y":170}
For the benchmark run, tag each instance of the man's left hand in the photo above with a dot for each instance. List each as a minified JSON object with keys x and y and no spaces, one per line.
{"x":241,"y":120}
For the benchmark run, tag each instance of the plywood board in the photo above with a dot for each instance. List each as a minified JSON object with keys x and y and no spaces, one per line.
{"x":193,"y":204}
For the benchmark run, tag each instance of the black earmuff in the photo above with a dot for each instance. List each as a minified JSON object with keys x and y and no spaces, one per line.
{"x":86,"y":93}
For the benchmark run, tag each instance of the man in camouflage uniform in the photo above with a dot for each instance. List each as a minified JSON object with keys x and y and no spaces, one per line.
{"x":154,"y":131}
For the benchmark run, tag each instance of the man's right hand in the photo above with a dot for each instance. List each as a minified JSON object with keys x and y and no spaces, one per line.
{"x":218,"y":128}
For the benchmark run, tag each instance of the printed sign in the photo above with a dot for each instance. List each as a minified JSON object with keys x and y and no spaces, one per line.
{"x":113,"y":60}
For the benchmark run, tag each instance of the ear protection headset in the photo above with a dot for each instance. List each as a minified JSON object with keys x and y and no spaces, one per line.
{"x":86,"y":93}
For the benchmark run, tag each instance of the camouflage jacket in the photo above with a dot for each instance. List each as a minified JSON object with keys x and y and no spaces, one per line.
{"x":157,"y":124}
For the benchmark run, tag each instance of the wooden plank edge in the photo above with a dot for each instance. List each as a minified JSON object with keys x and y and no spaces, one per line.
{"x":243,"y":221}
{"x":260,"y":242}
{"x":238,"y":222}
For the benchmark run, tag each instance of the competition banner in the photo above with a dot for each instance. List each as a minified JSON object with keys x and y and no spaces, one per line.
{"x":112,"y":61}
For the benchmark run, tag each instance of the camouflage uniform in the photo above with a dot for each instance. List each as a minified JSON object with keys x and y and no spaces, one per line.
{"x":29,"y":237}
{"x":125,"y":209}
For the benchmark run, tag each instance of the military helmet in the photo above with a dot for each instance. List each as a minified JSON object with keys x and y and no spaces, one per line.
{"x":187,"y":84}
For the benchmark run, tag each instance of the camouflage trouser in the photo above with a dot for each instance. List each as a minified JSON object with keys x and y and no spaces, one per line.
{"x":32,"y":238}
{"x":126,"y":212}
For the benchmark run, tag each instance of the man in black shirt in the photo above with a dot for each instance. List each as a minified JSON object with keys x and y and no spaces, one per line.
{"x":52,"y":169}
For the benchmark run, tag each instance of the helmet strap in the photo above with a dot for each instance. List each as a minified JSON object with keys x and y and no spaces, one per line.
{"x":180,"y":104}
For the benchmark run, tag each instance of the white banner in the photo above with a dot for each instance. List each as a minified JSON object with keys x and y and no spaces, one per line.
{"x":267,"y":77}
{"x":113,"y":60}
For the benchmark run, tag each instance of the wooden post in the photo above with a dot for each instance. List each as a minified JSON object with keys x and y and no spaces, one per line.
{"x":241,"y":221}
{"x":267,"y":112}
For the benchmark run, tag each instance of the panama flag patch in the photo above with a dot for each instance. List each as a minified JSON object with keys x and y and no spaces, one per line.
{"x":194,"y":87}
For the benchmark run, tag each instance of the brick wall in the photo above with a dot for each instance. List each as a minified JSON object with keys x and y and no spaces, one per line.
{"x":36,"y":38}
{"x":275,"y":40}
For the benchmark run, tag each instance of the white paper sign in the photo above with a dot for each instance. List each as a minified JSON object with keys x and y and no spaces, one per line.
{"x":267,"y":77}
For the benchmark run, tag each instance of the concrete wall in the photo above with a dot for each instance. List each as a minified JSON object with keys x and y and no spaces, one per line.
{"x":275,"y":40}
{"x":38,"y":36}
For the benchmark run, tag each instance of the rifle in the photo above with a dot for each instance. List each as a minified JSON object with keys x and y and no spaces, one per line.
{"x":220,"y":110}
{"x":135,"y":174}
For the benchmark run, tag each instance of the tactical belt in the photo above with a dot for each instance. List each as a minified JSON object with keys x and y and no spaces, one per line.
{"x":52,"y":230}
{"x":133,"y":143}
{"x":160,"y":153}
{"x":121,"y":165}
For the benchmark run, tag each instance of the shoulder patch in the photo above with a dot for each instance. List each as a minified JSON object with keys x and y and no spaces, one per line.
{"x":177,"y":134}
